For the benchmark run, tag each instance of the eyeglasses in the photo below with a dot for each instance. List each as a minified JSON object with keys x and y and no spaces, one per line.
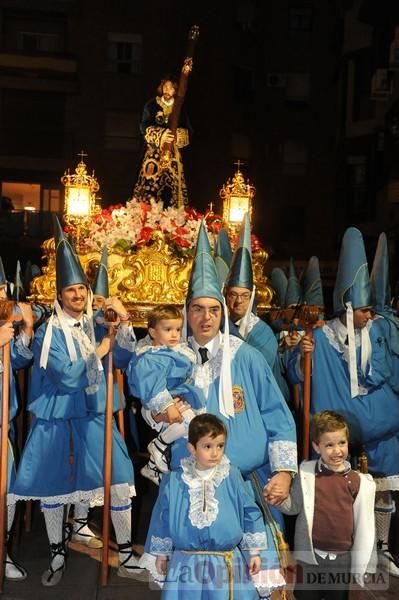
{"x":213,"y":311}
{"x":235,"y":296}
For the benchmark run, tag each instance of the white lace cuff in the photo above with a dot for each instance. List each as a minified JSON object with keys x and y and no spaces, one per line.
{"x":160,"y":401}
{"x":161,"y":546}
{"x":94,"y":375}
{"x":283,"y":456}
{"x":254,"y":541}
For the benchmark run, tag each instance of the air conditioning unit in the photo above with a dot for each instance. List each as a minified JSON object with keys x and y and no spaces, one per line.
{"x":276,"y":80}
{"x":381,"y":84}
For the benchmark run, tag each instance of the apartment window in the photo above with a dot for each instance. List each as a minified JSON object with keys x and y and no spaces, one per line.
{"x":122,"y":130}
{"x":31,"y":41}
{"x":295,"y":157}
{"x":33,"y":33}
{"x":124,"y":53}
{"x":300,"y":23}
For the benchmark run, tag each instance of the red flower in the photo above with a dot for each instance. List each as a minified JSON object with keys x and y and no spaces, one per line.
{"x":181,"y":231}
{"x":145,"y":236}
{"x":182,"y":242}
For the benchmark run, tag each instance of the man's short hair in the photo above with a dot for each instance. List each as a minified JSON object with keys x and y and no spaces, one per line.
{"x":161,"y":312}
{"x":326,"y":421}
{"x":205,"y":424}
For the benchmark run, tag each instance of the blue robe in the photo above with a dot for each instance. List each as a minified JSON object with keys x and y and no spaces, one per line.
{"x":157,"y":374}
{"x":187,"y":518}
{"x":262,"y":432}
{"x":20,"y":358}
{"x":261,"y":337}
{"x":63,"y":457}
{"x":373,"y":415}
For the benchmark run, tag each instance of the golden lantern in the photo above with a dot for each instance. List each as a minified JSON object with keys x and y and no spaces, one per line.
{"x":80,"y":197}
{"x":237,"y":197}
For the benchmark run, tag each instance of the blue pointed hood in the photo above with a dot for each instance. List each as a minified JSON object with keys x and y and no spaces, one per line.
{"x":100,"y":284}
{"x":379,"y":277}
{"x":240,"y":273}
{"x":68,"y":269}
{"x":312,"y":284}
{"x":353,"y":282}
{"x":279,"y":284}
{"x":18,"y":292}
{"x":294,"y":292}
{"x":223,"y":256}
{"x":204,"y":281}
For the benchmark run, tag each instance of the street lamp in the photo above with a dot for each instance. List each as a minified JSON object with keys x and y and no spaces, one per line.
{"x":237,"y":198}
{"x":80,"y":197}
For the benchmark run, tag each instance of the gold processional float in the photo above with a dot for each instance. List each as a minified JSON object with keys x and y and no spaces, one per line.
{"x":150,"y":248}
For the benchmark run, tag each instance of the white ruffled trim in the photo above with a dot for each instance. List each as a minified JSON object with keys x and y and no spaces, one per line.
{"x":283,"y":456}
{"x":204,"y":375}
{"x":384,"y":484}
{"x":146,"y":345}
{"x":160,"y":545}
{"x":245,"y":325}
{"x":268,"y":580}
{"x":94,"y":368}
{"x":202,"y":491}
{"x":122,"y":491}
{"x":336,"y":332}
{"x":147,"y":561}
{"x":160,"y":401}
{"x":254,"y":541}
{"x":126,"y":339}
{"x":94,"y":375}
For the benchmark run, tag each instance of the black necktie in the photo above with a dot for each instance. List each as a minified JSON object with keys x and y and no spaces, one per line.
{"x":77,"y":325}
{"x":203,"y":354}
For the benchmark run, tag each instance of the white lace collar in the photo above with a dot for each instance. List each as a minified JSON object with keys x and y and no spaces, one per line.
{"x":204,"y":507}
{"x":146,"y":345}
{"x":252,"y":321}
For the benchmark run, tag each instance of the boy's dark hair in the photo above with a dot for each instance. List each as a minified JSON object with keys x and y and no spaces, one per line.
{"x":205,"y":424}
{"x":163,"y":311}
{"x":326,"y":421}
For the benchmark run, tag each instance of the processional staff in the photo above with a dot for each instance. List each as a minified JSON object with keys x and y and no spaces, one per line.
{"x":107,"y":463}
{"x":4,"y":450}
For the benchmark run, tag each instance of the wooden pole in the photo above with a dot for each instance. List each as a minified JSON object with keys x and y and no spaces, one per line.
{"x":3,"y":458}
{"x":107,"y":470}
{"x":307,"y":369}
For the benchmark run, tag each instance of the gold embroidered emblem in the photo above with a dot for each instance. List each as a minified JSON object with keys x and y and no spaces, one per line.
{"x":238,"y":399}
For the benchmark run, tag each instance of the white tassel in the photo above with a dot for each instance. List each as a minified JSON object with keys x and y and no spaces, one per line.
{"x":226,"y":404}
{"x":245,"y":321}
{"x":352,"y":351}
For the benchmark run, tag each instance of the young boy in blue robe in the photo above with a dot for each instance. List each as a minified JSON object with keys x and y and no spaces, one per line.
{"x":159,"y":374}
{"x":207,"y":533}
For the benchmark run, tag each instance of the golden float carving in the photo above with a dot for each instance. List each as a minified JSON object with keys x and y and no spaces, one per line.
{"x":144,"y":277}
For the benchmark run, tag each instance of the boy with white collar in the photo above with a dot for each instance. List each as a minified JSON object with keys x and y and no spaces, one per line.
{"x":334,"y":532}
